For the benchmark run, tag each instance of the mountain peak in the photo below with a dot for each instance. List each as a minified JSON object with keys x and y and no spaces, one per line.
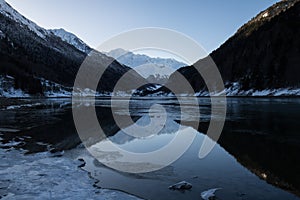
{"x":265,"y":16}
{"x":160,"y":68}
{"x":10,"y":12}
{"x":71,"y":39}
{"x":262,"y":56}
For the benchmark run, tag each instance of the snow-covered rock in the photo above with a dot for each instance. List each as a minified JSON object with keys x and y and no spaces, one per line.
{"x":7,"y":88}
{"x":183,"y":185}
{"x":209,"y":194}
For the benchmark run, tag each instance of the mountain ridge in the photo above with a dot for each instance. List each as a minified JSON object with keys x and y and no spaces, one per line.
{"x":148,"y":67}
{"x":262,"y":56}
{"x":71,"y":39}
{"x":30,"y":54}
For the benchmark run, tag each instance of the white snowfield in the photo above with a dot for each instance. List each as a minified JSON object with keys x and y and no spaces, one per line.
{"x":40,"y":176}
{"x":71,"y":39}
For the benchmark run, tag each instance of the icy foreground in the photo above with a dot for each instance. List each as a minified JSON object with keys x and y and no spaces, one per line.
{"x":40,"y":176}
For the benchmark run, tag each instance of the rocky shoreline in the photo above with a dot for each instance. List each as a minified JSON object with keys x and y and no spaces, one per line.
{"x":4,"y":102}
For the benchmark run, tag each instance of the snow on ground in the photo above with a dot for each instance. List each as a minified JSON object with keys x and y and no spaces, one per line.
{"x":13,"y":93}
{"x":29,"y":105}
{"x":55,"y":90}
{"x":51,"y":89}
{"x":39,"y":176}
{"x":7,"y":88}
{"x":235,"y":90}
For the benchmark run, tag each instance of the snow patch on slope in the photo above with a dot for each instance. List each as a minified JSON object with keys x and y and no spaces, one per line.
{"x":50,"y":89}
{"x":71,"y":39}
{"x":7,"y":88}
{"x":235,"y":90}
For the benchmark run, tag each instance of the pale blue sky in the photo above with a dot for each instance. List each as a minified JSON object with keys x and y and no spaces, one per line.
{"x":209,"y":22}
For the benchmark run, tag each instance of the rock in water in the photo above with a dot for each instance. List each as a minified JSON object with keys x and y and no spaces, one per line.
{"x":82,"y":162}
{"x":183,"y":185}
{"x":209,"y":194}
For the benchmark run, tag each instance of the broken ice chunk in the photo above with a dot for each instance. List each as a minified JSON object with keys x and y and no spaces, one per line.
{"x":209,"y":194}
{"x":183,"y":185}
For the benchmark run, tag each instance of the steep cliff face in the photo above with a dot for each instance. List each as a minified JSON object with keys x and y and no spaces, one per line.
{"x":263,"y":54}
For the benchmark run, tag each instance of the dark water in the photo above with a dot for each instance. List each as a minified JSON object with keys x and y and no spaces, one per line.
{"x":257,"y":155}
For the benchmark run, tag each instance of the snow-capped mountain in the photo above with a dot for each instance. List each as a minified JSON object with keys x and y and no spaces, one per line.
{"x":36,"y":61}
{"x":8,"y":11}
{"x":71,"y":39}
{"x":68,"y":37}
{"x":147,"y":66}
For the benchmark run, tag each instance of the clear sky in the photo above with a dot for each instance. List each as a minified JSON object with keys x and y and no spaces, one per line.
{"x":209,"y":22}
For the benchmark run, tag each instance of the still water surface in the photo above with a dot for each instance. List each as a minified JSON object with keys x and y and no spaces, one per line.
{"x":255,"y":158}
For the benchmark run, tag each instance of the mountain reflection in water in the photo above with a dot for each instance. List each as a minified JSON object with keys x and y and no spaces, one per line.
{"x":262,"y":134}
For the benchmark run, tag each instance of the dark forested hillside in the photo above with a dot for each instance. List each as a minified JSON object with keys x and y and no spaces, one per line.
{"x":263,"y":54}
{"x":29,"y":53}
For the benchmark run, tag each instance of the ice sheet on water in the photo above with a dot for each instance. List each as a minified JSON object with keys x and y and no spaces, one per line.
{"x":22,"y":106}
{"x":209,"y":194}
{"x":10,"y":130}
{"x":39,"y":176}
{"x":10,"y":144}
